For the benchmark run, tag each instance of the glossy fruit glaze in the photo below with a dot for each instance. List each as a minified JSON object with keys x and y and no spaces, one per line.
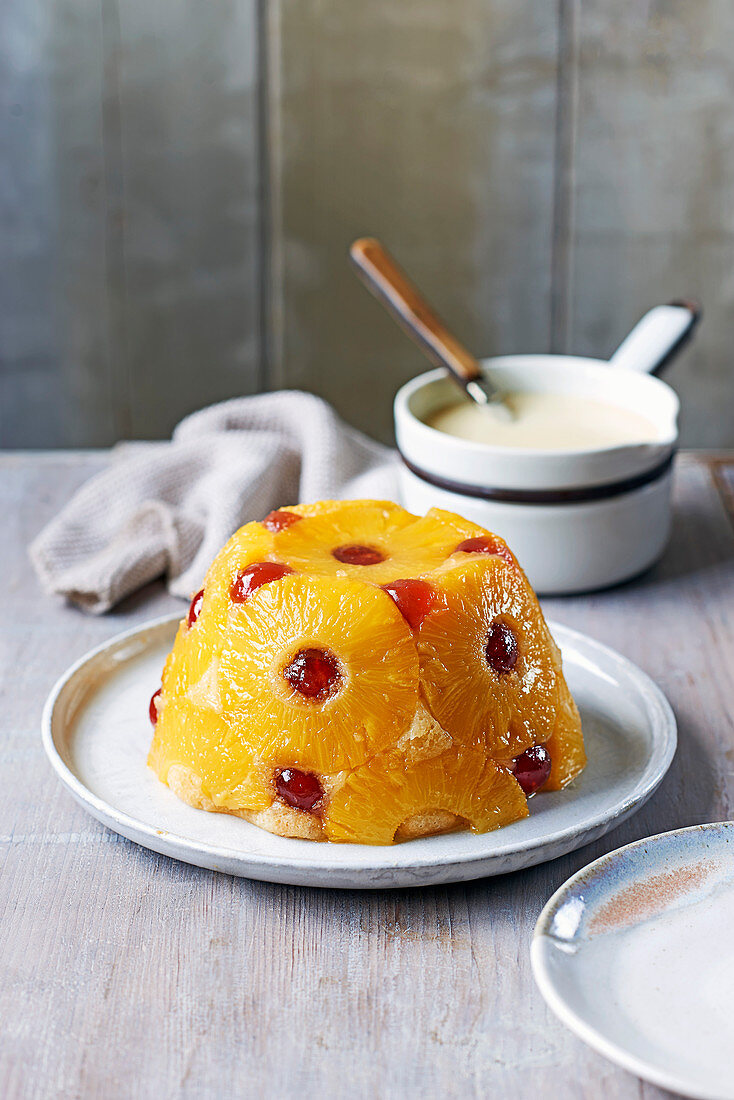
{"x":486,"y":544}
{"x":414,"y":599}
{"x":500,"y":649}
{"x":358,"y":555}
{"x":313,"y":673}
{"x":299,"y":789}
{"x":280,"y":519}
{"x":195,"y":607}
{"x":254,"y":576}
{"x":153,"y":706}
{"x":532,"y":768}
{"x":301,"y":685}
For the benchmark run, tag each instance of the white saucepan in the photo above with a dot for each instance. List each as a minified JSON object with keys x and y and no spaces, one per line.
{"x":576,"y":519}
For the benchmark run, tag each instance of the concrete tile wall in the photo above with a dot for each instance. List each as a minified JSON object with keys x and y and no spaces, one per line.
{"x":181,"y":182}
{"x":129,"y":215}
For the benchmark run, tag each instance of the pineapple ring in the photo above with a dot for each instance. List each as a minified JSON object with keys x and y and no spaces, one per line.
{"x":379,"y":799}
{"x":377,"y":693}
{"x":506,"y":712}
{"x":411,"y":546}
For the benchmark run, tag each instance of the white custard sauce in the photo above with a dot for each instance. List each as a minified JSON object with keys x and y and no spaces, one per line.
{"x":546,"y":422}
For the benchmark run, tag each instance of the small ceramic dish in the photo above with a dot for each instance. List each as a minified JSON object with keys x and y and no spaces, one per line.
{"x":97,"y":735}
{"x":635,"y":954}
{"x":577,"y":519}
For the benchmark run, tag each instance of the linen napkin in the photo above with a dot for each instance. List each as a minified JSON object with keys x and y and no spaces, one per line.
{"x":167,"y":508}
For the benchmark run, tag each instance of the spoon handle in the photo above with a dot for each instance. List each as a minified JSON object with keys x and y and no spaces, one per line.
{"x":382,"y":276}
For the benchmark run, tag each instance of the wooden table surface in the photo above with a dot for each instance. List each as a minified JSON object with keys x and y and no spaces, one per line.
{"x":126,"y":974}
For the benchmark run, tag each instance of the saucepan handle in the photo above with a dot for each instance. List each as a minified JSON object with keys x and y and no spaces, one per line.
{"x":658,"y":337}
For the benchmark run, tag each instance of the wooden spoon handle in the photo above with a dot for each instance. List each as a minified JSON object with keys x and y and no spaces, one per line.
{"x":404,"y":301}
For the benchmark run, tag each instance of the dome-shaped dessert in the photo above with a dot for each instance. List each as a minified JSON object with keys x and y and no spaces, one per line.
{"x":351,"y":672}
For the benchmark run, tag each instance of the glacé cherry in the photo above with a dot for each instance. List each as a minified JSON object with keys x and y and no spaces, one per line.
{"x":299,"y":789}
{"x":153,"y":706}
{"x":314,"y":673}
{"x":485,"y":544}
{"x":358,"y":555}
{"x":249,"y":580}
{"x":195,"y":607}
{"x":500,"y":649}
{"x":280,"y":519}
{"x":532,"y":768}
{"x":414,"y":599}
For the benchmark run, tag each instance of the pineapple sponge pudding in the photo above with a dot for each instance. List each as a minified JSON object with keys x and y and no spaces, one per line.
{"x":351,"y":672}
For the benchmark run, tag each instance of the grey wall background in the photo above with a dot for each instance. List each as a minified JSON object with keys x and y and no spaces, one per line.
{"x":179,"y":183}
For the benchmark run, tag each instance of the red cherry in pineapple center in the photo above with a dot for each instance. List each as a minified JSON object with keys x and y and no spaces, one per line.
{"x":301,"y":790}
{"x":153,"y":705}
{"x":532,"y":768}
{"x":314,"y":673}
{"x":500,"y":649}
{"x":358,"y":555}
{"x":485,"y":544}
{"x":195,"y":607}
{"x":414,"y":599}
{"x":249,"y":580}
{"x":279,"y":520}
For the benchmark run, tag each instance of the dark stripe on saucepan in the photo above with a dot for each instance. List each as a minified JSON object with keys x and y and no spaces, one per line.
{"x":545,"y":496}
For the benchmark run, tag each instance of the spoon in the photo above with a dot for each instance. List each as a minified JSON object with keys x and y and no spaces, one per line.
{"x":402,"y":299}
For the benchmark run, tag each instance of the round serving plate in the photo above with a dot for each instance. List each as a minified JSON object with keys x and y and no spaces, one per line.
{"x":96,"y":734}
{"x":635,"y":955}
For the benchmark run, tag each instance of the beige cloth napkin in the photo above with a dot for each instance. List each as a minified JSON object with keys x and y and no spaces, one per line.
{"x":167,"y":508}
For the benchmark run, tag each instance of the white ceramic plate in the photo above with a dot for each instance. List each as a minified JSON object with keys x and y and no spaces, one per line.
{"x":96,"y":734}
{"x":635,"y":954}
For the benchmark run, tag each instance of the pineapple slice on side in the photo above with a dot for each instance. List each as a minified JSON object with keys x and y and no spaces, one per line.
{"x":205,"y":762}
{"x":489,"y":668}
{"x":386,"y":800}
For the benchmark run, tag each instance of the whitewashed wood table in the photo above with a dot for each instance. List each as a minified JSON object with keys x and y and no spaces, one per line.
{"x":124,"y":973}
